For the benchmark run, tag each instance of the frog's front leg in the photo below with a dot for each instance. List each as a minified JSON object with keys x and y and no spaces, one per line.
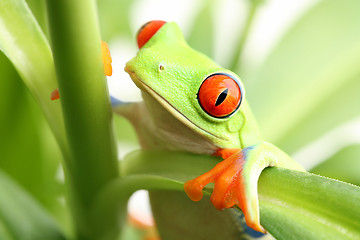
{"x":236,"y":179}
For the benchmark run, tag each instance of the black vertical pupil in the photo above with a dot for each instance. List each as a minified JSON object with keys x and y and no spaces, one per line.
{"x":221,"y":98}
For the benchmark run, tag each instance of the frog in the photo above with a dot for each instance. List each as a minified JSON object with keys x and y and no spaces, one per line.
{"x":192,"y":104}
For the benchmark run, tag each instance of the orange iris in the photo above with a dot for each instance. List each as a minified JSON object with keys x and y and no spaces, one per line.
{"x":219,"y":95}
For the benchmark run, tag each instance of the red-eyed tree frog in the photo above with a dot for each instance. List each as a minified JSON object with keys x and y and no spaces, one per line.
{"x":192,"y":104}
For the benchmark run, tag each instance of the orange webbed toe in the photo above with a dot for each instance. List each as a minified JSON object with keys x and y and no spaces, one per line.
{"x":225,"y":194}
{"x":194,"y":187}
{"x":106,"y":58}
{"x":226,"y":176}
{"x":229,"y":189}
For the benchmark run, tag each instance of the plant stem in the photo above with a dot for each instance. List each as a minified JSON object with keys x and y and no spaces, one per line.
{"x":85,"y":103}
{"x":116,"y":195}
{"x":236,"y":57}
{"x":293,"y":205}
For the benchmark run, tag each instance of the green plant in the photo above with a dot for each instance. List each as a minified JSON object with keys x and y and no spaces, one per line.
{"x":323,"y":65}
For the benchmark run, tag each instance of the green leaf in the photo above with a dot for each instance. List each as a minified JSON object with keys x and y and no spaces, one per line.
{"x":19,"y":129}
{"x":201,"y":35}
{"x":236,"y":57}
{"x":124,"y":131}
{"x":25,"y":45}
{"x":174,"y":212}
{"x":38,"y":9}
{"x":23,"y":42}
{"x":114,"y":18}
{"x":310,"y":82}
{"x":22,"y":217}
{"x":293,"y":205}
{"x":344,"y":165}
{"x":4,"y":234}
{"x":29,"y":153}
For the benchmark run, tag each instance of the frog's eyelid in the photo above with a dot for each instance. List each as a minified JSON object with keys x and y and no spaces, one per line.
{"x":146,"y":32}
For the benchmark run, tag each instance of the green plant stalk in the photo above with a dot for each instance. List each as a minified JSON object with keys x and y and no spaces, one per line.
{"x":116,"y":195}
{"x":85,"y":103}
{"x":298,"y":205}
{"x":293,"y":205}
{"x":236,"y":57}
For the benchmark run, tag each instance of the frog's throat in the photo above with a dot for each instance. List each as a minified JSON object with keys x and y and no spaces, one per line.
{"x":177,"y":114}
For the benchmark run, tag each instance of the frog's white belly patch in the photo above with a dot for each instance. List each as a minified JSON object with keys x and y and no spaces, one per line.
{"x":169,"y":133}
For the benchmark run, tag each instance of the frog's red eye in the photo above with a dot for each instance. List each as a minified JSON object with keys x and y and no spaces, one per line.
{"x":147,"y":31}
{"x":220,"y":95}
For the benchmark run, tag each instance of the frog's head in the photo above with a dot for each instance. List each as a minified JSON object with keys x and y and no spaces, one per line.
{"x":199,"y":93}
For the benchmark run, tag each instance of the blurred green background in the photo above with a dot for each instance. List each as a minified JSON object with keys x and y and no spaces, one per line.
{"x":299,"y":61}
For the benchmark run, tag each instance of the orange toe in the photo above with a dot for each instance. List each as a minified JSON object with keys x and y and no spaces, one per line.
{"x":224,"y":194}
{"x":193,"y":188}
{"x":225,"y":175}
{"x":256,"y":226}
{"x":229,"y":189}
{"x":55,"y":94}
{"x":106,"y":57}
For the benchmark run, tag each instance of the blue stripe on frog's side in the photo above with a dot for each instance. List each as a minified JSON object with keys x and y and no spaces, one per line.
{"x":247,"y":149}
{"x":245,"y":231}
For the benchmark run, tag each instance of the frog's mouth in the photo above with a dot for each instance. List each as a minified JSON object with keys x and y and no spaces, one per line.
{"x":168,"y":106}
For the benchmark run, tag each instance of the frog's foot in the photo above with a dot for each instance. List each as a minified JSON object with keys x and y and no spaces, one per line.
{"x":106,"y":58}
{"x":230,"y":188}
{"x":236,"y":179}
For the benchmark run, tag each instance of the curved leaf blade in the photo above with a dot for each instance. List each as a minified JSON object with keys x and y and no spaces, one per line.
{"x":29,"y":153}
{"x":310,"y":83}
{"x":114,"y":198}
{"x":114,"y":18}
{"x":201,"y":35}
{"x":24,"y":43}
{"x":344,"y":165}
{"x":22,"y":216}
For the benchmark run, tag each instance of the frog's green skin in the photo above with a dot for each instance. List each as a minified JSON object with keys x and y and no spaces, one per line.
{"x":170,"y":98}
{"x":169,"y":74}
